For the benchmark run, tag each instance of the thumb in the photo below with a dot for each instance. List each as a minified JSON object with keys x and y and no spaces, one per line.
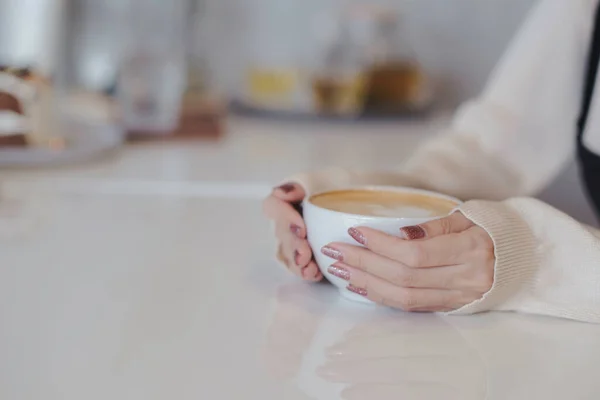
{"x":290,"y":192}
{"x":454,"y":223}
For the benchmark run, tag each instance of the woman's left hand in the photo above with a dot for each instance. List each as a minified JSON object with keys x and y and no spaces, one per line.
{"x":438,"y":266}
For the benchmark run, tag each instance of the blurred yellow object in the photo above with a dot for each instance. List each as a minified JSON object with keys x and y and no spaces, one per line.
{"x":272,"y":87}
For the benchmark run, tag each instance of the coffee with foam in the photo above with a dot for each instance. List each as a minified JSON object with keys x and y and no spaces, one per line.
{"x":386,"y":204}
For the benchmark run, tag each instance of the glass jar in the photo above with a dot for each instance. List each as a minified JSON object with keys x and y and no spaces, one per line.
{"x":370,"y":66}
{"x":324,"y":57}
{"x":397,"y":80}
{"x":152,"y":72}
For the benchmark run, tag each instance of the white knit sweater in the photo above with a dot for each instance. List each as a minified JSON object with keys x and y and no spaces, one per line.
{"x":507,"y":144}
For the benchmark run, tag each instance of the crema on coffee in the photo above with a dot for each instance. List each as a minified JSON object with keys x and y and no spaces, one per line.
{"x":381,"y":203}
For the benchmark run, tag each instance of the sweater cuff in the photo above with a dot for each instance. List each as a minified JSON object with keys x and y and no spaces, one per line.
{"x":515,"y":252}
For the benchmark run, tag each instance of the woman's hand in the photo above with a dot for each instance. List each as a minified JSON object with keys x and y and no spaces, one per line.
{"x":282,"y":207}
{"x":438,"y":266}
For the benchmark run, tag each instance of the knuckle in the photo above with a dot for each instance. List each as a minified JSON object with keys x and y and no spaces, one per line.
{"x":473,"y":242}
{"x":416,"y":255}
{"x":363,"y":261}
{"x":404,"y":277}
{"x":482,"y":238}
{"x":360,"y":261}
{"x":445,"y":225}
{"x":407,"y":300}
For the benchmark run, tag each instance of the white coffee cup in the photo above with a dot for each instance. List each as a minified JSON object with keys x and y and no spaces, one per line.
{"x":326,"y":226}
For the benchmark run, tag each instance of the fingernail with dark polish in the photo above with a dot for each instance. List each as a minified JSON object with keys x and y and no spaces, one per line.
{"x":297,"y":257}
{"x":287,"y":188}
{"x":332,"y":253}
{"x":413,"y":232}
{"x":340,"y":272}
{"x":358,"y":236}
{"x":357,"y":290}
{"x":296,"y":230}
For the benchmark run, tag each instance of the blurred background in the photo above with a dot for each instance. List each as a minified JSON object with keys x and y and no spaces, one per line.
{"x":122,"y":71}
{"x":458,"y":41}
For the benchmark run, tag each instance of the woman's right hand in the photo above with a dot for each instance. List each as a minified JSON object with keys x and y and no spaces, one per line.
{"x":290,"y":230}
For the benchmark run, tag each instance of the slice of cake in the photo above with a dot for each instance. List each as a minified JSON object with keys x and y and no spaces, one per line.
{"x":12,"y":121}
{"x":19,"y":89}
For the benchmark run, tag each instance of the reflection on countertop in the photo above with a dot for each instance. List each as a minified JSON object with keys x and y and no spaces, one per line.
{"x":330,"y":347}
{"x":334,"y":348}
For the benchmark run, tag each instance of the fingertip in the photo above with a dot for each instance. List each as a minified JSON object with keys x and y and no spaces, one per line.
{"x":308,"y":272}
{"x":286,"y":188}
{"x":289,"y":192}
{"x":312,"y":273}
{"x":304,"y":251}
{"x":319,"y":276}
{"x":299,"y":189}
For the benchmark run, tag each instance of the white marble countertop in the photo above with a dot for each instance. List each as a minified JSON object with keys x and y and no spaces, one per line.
{"x":148,"y":275}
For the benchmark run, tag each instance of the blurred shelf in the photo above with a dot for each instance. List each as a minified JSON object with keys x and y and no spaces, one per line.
{"x":240,"y":108}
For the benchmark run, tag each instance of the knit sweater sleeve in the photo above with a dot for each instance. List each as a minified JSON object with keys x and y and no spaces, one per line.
{"x":546,"y":262}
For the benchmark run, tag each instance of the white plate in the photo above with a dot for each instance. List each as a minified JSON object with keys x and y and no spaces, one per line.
{"x":84,"y":142}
